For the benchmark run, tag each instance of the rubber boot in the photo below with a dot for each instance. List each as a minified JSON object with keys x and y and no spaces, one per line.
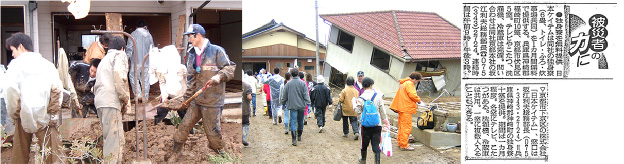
{"x":176,"y":152}
{"x":377,"y":155}
{"x":294,"y":138}
{"x":245,"y":132}
{"x":299,"y":135}
{"x":363,"y":157}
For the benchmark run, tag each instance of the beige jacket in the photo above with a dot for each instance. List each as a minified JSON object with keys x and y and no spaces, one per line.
{"x":111,"y":84}
{"x":345,"y":98}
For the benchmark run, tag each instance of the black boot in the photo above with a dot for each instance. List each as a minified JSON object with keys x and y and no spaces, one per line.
{"x":377,"y":155}
{"x":362,"y":159}
{"x":299,"y":135}
{"x":294,"y":138}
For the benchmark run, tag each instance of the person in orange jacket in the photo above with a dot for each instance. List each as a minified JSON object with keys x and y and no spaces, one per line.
{"x":404,"y":103}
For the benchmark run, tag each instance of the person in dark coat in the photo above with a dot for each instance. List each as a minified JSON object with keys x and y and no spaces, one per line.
{"x":320,"y":97}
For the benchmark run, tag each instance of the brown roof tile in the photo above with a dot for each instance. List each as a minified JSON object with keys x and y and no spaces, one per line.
{"x":425,"y":35}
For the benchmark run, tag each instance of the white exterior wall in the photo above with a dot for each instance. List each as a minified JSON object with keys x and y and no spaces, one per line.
{"x":359,"y":60}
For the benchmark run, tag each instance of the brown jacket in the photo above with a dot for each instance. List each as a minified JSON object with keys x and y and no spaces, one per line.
{"x":345,"y":98}
{"x":94,"y":51}
{"x":214,"y":62}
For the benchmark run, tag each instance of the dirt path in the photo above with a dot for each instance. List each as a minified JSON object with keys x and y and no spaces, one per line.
{"x":269,"y":144}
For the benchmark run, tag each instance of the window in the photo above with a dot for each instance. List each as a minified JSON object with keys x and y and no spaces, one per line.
{"x":87,"y":40}
{"x":289,"y":65}
{"x":309,"y":68}
{"x":427,"y":65}
{"x":345,"y":41}
{"x":299,"y":64}
{"x":380,"y":60}
{"x":279,"y":65}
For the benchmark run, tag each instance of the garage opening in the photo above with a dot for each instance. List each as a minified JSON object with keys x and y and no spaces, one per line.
{"x":75,"y":35}
{"x":12,"y":22}
{"x":254,"y":66}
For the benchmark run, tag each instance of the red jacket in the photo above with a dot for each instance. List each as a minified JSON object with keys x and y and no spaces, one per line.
{"x":267,"y":91}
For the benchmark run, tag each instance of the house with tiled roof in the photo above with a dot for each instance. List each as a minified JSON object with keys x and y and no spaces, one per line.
{"x":277,"y":45}
{"x":389,"y":45}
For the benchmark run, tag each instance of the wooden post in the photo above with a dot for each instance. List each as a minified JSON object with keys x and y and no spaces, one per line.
{"x":113,"y":23}
{"x":179,"y":37}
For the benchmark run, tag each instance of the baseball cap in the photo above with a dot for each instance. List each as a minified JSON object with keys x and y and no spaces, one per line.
{"x":360,"y":73}
{"x":195,"y":28}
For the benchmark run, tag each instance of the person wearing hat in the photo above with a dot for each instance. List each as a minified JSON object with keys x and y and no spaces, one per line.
{"x":358,"y":84}
{"x":320,"y":97}
{"x":144,"y":42}
{"x":206,"y":64}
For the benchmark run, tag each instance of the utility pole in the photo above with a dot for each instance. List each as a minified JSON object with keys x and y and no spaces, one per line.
{"x":317,"y":38}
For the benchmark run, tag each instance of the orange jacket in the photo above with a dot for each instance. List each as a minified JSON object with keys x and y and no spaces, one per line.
{"x":406,"y":98}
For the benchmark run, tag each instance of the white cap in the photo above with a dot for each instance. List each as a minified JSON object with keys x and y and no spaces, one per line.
{"x":320,"y":79}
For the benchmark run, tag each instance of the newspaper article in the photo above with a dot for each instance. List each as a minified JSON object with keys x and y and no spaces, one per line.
{"x":528,"y":71}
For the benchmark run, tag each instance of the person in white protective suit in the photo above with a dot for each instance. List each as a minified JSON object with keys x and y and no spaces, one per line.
{"x":144,"y":42}
{"x":170,"y":72}
{"x":33,"y":99}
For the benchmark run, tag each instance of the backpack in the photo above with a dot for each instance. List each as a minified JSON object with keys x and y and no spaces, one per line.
{"x":370,"y":115}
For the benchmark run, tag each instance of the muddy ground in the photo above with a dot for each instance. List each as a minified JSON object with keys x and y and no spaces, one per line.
{"x":269,"y":144}
{"x":160,"y":140}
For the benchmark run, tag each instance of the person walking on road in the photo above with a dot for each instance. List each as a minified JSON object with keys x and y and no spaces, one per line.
{"x":274,"y":81}
{"x":358,"y":84}
{"x":371,"y":134}
{"x":296,"y":98}
{"x":253,"y":82}
{"x":321,"y":97}
{"x":286,"y":113}
{"x":307,"y":108}
{"x":247,"y":90}
{"x":405,"y":103}
{"x":348,"y":114}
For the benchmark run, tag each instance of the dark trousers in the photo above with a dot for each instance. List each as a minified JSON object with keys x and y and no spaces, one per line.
{"x":355,"y":125}
{"x":245,"y":119}
{"x":371,"y":135}
{"x":269,"y":109}
{"x":320,"y":115}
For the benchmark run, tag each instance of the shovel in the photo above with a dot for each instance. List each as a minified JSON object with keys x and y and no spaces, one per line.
{"x":188,"y":101}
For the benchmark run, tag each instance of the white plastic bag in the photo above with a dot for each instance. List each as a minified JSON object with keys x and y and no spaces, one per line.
{"x":386,"y":144}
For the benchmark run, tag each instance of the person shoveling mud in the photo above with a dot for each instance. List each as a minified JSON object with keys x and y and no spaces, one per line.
{"x":207,"y":65}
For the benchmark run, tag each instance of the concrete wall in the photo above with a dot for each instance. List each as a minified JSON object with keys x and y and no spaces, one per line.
{"x":359,"y":60}
{"x":453,"y":75}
